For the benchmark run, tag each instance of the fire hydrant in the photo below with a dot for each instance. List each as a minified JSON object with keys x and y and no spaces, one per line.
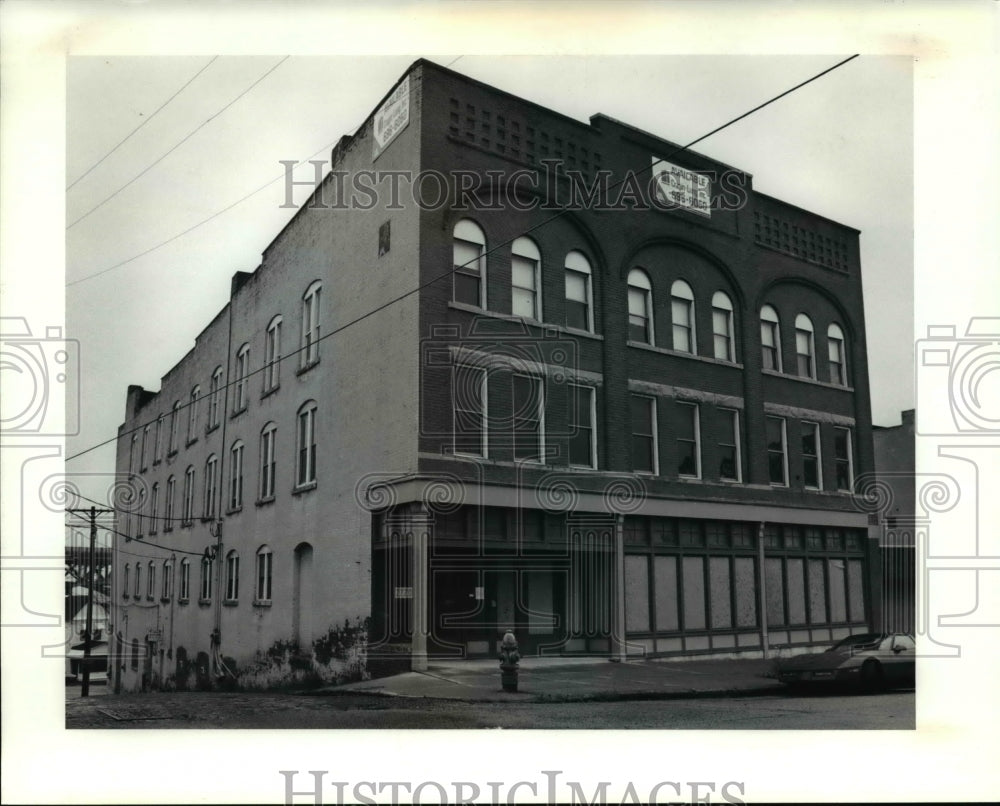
{"x":509,"y":657}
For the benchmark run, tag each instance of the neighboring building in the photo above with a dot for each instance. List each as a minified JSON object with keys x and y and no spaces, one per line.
{"x":895,"y":467}
{"x":617,"y":431}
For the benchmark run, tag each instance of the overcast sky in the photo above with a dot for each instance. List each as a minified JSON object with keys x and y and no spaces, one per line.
{"x":840,"y":146}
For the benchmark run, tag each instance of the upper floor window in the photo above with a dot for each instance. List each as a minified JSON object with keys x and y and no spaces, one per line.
{"x":192,"y":434}
{"x":469,"y":263}
{"x":770,"y":339}
{"x":777,"y":453}
{"x":310,"y":324}
{"x":145,"y":446}
{"x":154,"y":496}
{"x":263,"y":588}
{"x":688,"y":440}
{"x":158,"y":444}
{"x":125,"y":582}
{"x":644,"y":453}
{"x":232,"y":576}
{"x":525,"y":272}
{"x":215,"y":398}
{"x":843,"y":454}
{"x":188,"y":507}
{"x":272,"y":354}
{"x":207,"y":572}
{"x":267,"y":437}
{"x":722,"y":327}
{"x":236,"y":476}
{"x":168,"y":505}
{"x":640,"y":307}
{"x":805,"y":349}
{"x":133,"y":453}
{"x":682,"y":313}
{"x":579,"y":292}
{"x":137,"y":591}
{"x":167,"y":584}
{"x":838,"y":358}
{"x":730,"y":462}
{"x":582,"y":426}
{"x":812,"y":464}
{"x":184,"y":592}
{"x":211,"y":485}
{"x":150,"y":580}
{"x":469,"y":410}
{"x":141,"y":510}
{"x":175,"y":415}
{"x":306,"y":445}
{"x":240,"y":396}
{"x":528,"y":416}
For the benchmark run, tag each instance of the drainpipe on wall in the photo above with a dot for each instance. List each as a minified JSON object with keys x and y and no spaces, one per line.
{"x":619,"y":645}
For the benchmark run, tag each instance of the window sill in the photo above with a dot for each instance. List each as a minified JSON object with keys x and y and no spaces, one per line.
{"x":168,"y":529}
{"x":261,"y":602}
{"x":572,"y":331}
{"x":230,"y":602}
{"x":183,"y":601}
{"x":681,"y":354}
{"x":304,"y":488}
{"x":307,"y":366}
{"x":237,"y":412}
{"x":165,"y":599}
{"x":156,"y":462}
{"x":271,"y":391}
{"x":172,"y":453}
{"x":234,"y":510}
{"x":149,"y":598}
{"x":812,"y":381}
{"x":125,"y":597}
{"x":187,"y":524}
{"x":263,"y":502}
{"x":190,"y":442}
{"x":211,"y":428}
{"x":204,"y":602}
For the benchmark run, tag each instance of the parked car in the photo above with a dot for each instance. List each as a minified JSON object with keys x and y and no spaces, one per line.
{"x":869,"y":660}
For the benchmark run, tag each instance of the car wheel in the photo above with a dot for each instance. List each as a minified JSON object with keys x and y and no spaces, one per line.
{"x":871,"y":675}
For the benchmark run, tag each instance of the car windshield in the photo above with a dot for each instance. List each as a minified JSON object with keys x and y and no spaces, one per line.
{"x":861,"y":640}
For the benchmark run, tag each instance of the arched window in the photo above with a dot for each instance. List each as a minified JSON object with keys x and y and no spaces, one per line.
{"x":272,"y":354}
{"x":640,"y":307}
{"x":838,"y":355}
{"x":469,"y":264}
{"x":175,"y":415}
{"x":193,"y":415}
{"x":240,"y":396}
{"x":215,"y":398}
{"x":236,"y":476}
{"x":150,"y":580}
{"x":579,"y":292}
{"x":125,"y":581}
{"x":262,"y":591}
{"x":211,"y":485}
{"x":187,"y":514}
{"x":137,"y":590}
{"x":158,"y":444}
{"x":154,"y":502}
{"x":770,"y":339}
{"x":305,"y":444}
{"x":267,"y":437}
{"x":133,"y":452}
{"x":167,"y":585}
{"x":232,"y":576}
{"x":145,"y":446}
{"x":310,"y":324}
{"x":141,"y":510}
{"x":168,"y":506}
{"x":207,"y":572}
{"x":526,"y":281}
{"x":682,"y":312}
{"x":722,"y":327}
{"x":805,"y":350}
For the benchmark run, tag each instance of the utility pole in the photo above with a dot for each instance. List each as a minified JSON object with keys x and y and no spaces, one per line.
{"x":91,"y":560}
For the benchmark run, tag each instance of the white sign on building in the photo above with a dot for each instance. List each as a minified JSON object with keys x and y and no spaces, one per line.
{"x":679,"y":187}
{"x":392,"y":117}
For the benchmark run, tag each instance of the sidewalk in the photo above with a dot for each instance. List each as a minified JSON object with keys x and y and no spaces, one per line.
{"x":575,"y":680}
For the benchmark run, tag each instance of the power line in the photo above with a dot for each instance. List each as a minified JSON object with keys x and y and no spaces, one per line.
{"x":452,"y":270}
{"x":178,"y":145}
{"x":144,"y":122}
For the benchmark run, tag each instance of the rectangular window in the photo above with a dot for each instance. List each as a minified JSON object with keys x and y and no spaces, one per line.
{"x":528,"y":407}
{"x":193,"y":415}
{"x":137,"y":591}
{"x":812,"y":466}
{"x":267,"y":464}
{"x":150,"y":580}
{"x":158,"y":444}
{"x":263,"y":592}
{"x":722,"y":334}
{"x":582,"y":445}
{"x":185,"y":592}
{"x":145,"y":445}
{"x":133,"y":454}
{"x":167,"y":586}
{"x":468,"y":397}
{"x":168,"y":508}
{"x":306,"y":471}
{"x":770,"y":346}
{"x":683,"y":321}
{"x":638,"y":315}
{"x":232,"y":577}
{"x":174,"y":417}
{"x":577,"y":300}
{"x":688,"y":440}
{"x":310,"y":326}
{"x":206,"y":579}
{"x":844,"y":458}
{"x":468,"y":259}
{"x":524,"y":289}
{"x":644,"y":458}
{"x":154,"y":503}
{"x":236,"y":477}
{"x":211,"y":482}
{"x":777,"y":462}
{"x":730,"y":461}
{"x":188,"y":507}
{"x":804,"y":353}
{"x":272,"y":356}
{"x":242,"y":371}
{"x":837,"y":372}
{"x":214,"y":399}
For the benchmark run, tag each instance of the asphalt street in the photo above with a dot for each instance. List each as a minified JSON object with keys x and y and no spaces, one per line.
{"x":893,"y":710}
